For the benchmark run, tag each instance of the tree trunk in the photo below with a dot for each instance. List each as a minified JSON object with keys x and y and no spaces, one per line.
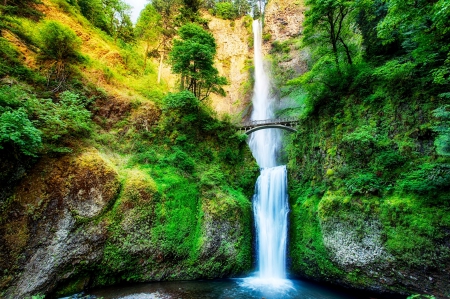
{"x":160,"y":66}
{"x":145,"y":58}
{"x":333,"y":38}
{"x":347,"y":51}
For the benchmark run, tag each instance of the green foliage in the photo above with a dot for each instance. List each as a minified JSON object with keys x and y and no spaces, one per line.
{"x":421,"y":297}
{"x":307,"y":249}
{"x":68,"y":116}
{"x":184,"y":101}
{"x":327,"y":25}
{"x":94,"y":12}
{"x":280,"y":47}
{"x":226,"y":11}
{"x":10,"y":63}
{"x":18,"y":130}
{"x":375,"y":112}
{"x":428,"y":179}
{"x":413,"y":230}
{"x":23,"y":8}
{"x":193,"y":58}
{"x":442,"y":142}
{"x":34,"y":125}
{"x":148,"y":26}
{"x":363,"y":183}
{"x":59,"y":42}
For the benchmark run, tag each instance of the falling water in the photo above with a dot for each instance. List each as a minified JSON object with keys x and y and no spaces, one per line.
{"x":270,"y":200}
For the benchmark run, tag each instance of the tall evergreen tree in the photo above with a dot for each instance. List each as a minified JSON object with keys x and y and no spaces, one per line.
{"x":193,"y":58}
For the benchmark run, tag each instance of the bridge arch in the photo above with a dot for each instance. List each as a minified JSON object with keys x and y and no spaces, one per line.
{"x":287,"y":124}
{"x":254,"y":129}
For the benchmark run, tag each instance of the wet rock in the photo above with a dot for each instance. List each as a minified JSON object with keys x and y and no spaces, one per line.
{"x":347,"y":248}
{"x":56,"y":202}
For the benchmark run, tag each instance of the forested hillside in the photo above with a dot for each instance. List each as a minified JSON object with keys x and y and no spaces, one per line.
{"x":105,"y":176}
{"x":369,"y":166}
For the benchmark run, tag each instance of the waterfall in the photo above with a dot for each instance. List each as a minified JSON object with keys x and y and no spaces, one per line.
{"x":270,"y":202}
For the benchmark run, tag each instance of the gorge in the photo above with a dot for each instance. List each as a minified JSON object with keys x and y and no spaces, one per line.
{"x":109,"y":178}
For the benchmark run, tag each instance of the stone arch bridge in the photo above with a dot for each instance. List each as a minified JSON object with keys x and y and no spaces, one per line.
{"x":288,"y":124}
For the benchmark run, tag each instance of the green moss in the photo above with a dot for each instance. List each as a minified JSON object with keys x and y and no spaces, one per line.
{"x":308,"y":253}
{"x":414,"y":230}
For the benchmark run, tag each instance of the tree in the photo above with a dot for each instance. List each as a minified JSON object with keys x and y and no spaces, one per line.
{"x":167,"y":10}
{"x":242,"y":7}
{"x":94,"y":12}
{"x":118,"y":19}
{"x":149,"y":28}
{"x":368,"y":14}
{"x":192,"y":57}
{"x":327,"y":22}
{"x":59,"y":42}
{"x":226,"y":11}
{"x":423,"y":28}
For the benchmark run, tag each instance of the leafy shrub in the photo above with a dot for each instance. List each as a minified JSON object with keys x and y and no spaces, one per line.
{"x":278,"y":47}
{"x":229,"y":155}
{"x":388,"y":160}
{"x":212,"y":177}
{"x":11,"y":97}
{"x":226,"y":11}
{"x":362,"y":141}
{"x":443,"y":129}
{"x":421,"y":297}
{"x":184,"y":100}
{"x":94,"y":12}
{"x":363,"y":183}
{"x":59,"y":42}
{"x":428,"y":179}
{"x":17,"y":130}
{"x":178,"y":159}
{"x":58,"y":119}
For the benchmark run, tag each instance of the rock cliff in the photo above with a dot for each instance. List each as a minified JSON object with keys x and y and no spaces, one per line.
{"x":234,"y":54}
{"x":73,"y":223}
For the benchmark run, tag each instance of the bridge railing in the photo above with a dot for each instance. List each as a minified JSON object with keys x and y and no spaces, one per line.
{"x":255,"y":123}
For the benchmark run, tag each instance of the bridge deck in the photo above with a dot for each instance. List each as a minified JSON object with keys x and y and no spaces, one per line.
{"x":281,"y":123}
{"x":278,"y":121}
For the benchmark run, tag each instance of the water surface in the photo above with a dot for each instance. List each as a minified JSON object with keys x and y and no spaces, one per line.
{"x":241,"y":288}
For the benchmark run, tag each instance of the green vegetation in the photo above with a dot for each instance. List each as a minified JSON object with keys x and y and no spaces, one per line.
{"x":58,"y":42}
{"x":421,"y":297}
{"x":34,"y":126}
{"x":81,"y":106}
{"x":232,"y":9}
{"x":184,"y":178}
{"x":373,"y":138}
{"x":193,"y":58}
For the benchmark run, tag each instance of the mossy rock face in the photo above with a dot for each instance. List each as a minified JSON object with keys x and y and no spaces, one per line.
{"x":226,"y":235}
{"x":371,"y":243}
{"x":48,"y":230}
{"x":199,"y":238}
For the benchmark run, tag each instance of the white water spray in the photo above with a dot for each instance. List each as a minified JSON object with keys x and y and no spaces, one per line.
{"x":270,"y":203}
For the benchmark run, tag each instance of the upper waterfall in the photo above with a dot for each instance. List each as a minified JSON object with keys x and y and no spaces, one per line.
{"x":264,"y":144}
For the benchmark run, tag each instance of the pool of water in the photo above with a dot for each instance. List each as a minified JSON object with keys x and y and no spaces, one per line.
{"x":239,"y":288}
